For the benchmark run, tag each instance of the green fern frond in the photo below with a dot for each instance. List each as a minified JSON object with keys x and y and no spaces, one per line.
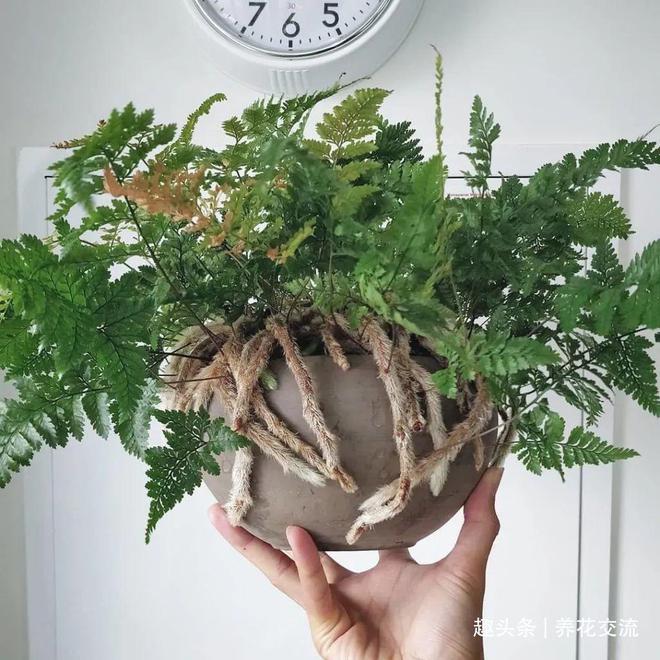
{"x":597,"y":218}
{"x":124,"y":367}
{"x":570,"y":300}
{"x":624,"y":154}
{"x":584,"y":393}
{"x":33,"y":419}
{"x":276,"y":116}
{"x":133,"y":424}
{"x":483,"y":134}
{"x":541,"y":433}
{"x":502,"y":356}
{"x":446,"y":382}
{"x":644,"y":268}
{"x":642,"y":277}
{"x":354,"y":120}
{"x":186,"y":135}
{"x":97,"y":408}
{"x":193,"y":442}
{"x":18,"y":346}
{"x":585,"y":448}
{"x":542,"y":445}
{"x":396,"y":143}
{"x":22,"y":432}
{"x":605,"y":268}
{"x":632,"y":370}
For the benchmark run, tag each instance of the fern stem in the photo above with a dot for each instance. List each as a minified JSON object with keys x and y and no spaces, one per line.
{"x":585,"y":363}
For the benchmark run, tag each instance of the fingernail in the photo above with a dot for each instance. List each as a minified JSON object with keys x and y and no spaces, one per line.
{"x":289,"y":534}
{"x":216,"y":514}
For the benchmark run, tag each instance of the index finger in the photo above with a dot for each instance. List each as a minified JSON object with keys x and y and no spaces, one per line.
{"x":318,"y":600}
{"x":274,"y":564}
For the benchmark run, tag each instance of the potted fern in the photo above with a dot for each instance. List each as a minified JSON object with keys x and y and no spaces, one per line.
{"x":324,"y":335}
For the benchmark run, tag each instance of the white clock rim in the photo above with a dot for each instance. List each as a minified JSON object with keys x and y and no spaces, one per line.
{"x":307,"y":55}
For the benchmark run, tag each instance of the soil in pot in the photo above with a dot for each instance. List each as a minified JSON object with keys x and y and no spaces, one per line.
{"x":357,"y":409}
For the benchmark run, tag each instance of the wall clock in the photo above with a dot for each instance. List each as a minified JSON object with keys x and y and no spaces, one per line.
{"x":294,"y":46}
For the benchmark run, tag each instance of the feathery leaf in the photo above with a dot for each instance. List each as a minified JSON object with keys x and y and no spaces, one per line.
{"x":193,"y":442}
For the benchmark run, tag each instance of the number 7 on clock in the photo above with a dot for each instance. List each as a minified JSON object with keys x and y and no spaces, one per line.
{"x":260,"y":7}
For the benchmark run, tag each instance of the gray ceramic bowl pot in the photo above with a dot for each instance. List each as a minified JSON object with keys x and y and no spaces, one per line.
{"x":356,"y":407}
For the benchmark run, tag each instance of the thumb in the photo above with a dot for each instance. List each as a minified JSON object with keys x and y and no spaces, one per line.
{"x":481,"y":525}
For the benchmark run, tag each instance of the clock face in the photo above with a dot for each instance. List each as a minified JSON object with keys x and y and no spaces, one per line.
{"x":292,"y":28}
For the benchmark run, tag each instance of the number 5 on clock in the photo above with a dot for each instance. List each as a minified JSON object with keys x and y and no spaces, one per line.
{"x":329,"y":10}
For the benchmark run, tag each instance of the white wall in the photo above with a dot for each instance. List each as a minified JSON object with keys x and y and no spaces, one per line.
{"x":556,"y":71}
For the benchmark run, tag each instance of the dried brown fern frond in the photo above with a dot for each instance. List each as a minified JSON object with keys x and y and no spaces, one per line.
{"x":177,"y":194}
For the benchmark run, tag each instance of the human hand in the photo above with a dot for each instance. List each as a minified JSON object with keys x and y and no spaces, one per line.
{"x":397,"y":610}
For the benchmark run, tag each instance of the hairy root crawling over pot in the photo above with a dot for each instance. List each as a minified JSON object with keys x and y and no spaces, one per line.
{"x":240,"y":497}
{"x":228,"y":362}
{"x":378,"y":507}
{"x":312,"y":413}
